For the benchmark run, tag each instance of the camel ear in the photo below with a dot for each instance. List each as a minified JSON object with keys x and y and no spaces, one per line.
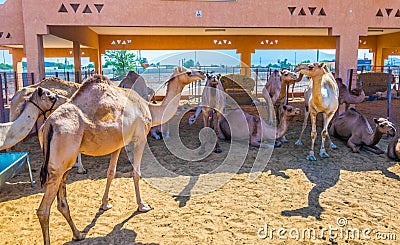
{"x":281,"y":72}
{"x":208,"y":75}
{"x":376,"y":120}
{"x":40,"y":91}
{"x":321,"y":64}
{"x":219,"y":76}
{"x":284,"y":107}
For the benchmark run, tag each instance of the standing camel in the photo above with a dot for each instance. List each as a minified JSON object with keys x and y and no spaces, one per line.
{"x":101,"y":119}
{"x":356,"y":96}
{"x":213,"y":105}
{"x":321,"y":96}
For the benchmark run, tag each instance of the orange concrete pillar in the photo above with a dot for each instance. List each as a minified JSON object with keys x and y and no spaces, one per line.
{"x":77,"y":60}
{"x":245,"y":61}
{"x":346,"y":56}
{"x":99,"y":66}
{"x":17,"y":55}
{"x":35,"y":56}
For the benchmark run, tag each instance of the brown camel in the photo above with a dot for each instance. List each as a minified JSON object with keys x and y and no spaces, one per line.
{"x":37,"y":103}
{"x":356,"y":96}
{"x":136,"y":82}
{"x":213,"y":105}
{"x":56,"y":85}
{"x":101,"y":119}
{"x":393,"y":149}
{"x":321,"y":96}
{"x":258,"y":130}
{"x":354,"y":127}
{"x":276,"y":87}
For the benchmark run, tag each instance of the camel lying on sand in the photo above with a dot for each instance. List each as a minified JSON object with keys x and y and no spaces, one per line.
{"x":321,"y":96}
{"x":213,"y":105}
{"x":259,"y":130}
{"x":393,"y":149}
{"x":56,"y":85}
{"x":37,"y":103}
{"x":356,"y":95}
{"x":354,"y":127}
{"x":101,"y":119}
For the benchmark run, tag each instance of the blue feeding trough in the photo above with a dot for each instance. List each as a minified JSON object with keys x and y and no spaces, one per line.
{"x":11,"y":163}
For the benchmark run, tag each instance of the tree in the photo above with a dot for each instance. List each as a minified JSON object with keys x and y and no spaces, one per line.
{"x":306,"y":61}
{"x":189,"y":63}
{"x":122,"y":60}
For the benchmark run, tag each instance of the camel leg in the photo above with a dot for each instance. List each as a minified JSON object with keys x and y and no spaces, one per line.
{"x":81,"y":169}
{"x":306,"y":114}
{"x":205,"y":124}
{"x":324,"y":134}
{"x":63,"y":207}
{"x":137,"y":158}
{"x":293,"y":92}
{"x":220,"y":135}
{"x":311,"y":156}
{"x":373,"y":149}
{"x":217,"y":130}
{"x":110,"y":176}
{"x":354,"y":147}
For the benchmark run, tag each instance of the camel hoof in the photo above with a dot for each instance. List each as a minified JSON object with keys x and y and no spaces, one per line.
{"x":311,"y":158}
{"x":333,"y":146}
{"x":284,"y":140}
{"x":298,"y":142}
{"x":218,"y":150}
{"x":144,"y":208}
{"x":84,"y":171}
{"x":157,"y":137}
{"x":106,"y":207}
{"x":278,"y":144}
{"x":323,"y":155}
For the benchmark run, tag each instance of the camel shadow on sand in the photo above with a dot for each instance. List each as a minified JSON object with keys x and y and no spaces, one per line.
{"x":117,"y":236}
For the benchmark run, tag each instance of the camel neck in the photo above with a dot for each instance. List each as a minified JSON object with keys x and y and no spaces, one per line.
{"x":282,"y":127}
{"x":13,"y":132}
{"x":163,"y":112}
{"x":375,"y":137}
{"x":316,"y":90}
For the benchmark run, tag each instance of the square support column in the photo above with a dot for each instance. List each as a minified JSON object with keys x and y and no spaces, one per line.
{"x":77,"y":61}
{"x":35,"y":57}
{"x":346,"y":56}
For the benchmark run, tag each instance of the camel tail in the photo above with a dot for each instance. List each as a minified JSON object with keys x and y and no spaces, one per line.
{"x":47,"y":135}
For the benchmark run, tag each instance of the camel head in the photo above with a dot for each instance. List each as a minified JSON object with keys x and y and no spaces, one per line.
{"x":313,"y":69}
{"x":287,"y":76}
{"x":46,"y":100}
{"x":213,"y":79}
{"x":384,"y":126}
{"x":186,"y":76}
{"x":288,"y":111}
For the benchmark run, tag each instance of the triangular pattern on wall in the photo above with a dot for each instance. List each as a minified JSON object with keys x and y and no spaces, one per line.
{"x":379,"y":13}
{"x":322,"y":12}
{"x":312,"y":10}
{"x":302,"y":12}
{"x":1,"y":34}
{"x":75,"y":6}
{"x":291,"y":10}
{"x":99,"y":7}
{"x":388,"y":11}
{"x":87,"y":10}
{"x":397,"y":13}
{"x":8,"y":35}
{"x":62,"y":9}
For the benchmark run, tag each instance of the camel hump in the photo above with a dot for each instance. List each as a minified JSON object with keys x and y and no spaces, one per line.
{"x":98,"y":83}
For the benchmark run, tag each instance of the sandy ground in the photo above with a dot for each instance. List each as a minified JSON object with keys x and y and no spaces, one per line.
{"x":291,"y":194}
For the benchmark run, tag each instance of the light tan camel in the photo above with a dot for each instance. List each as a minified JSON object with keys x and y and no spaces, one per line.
{"x":213,"y":105}
{"x":354,"y":127}
{"x":259,"y":130}
{"x":321,"y":96}
{"x":393,"y":149}
{"x":56,"y":85}
{"x":101,"y":119}
{"x":356,"y":96}
{"x":39,"y":101}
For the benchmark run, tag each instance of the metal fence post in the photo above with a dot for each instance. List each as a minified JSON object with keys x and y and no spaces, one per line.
{"x":32,"y":79}
{"x":16,"y":87}
{"x":5,"y":87}
{"x":2,"y":116}
{"x":389,"y":95}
